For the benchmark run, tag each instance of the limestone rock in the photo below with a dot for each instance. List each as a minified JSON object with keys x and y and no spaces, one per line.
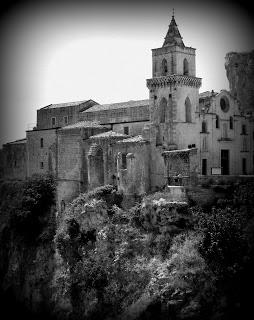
{"x":240,"y":74}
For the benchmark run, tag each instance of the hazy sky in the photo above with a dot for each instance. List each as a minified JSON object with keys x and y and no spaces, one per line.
{"x":60,"y":51}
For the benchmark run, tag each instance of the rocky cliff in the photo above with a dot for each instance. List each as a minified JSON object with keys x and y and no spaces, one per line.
{"x":97,"y":260}
{"x":240,"y":74}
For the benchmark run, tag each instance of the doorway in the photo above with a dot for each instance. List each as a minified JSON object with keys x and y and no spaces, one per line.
{"x":204,"y":167}
{"x":244,"y":166}
{"x":225,"y":162}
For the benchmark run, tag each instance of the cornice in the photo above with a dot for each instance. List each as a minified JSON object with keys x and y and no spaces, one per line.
{"x":174,"y":79}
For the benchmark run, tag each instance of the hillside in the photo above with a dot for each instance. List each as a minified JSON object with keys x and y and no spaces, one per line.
{"x":98,"y":260}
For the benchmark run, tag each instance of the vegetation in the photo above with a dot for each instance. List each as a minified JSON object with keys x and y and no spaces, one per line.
{"x":153,"y":261}
{"x":27,"y":229}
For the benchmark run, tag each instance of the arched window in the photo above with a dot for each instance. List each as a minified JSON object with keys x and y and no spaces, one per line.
{"x":164,"y":67}
{"x":41,"y":142}
{"x":217,"y":123}
{"x":187,"y":110}
{"x":162,"y":110}
{"x":170,"y":107}
{"x":231,"y":123}
{"x":204,"y":127}
{"x":185,"y":67}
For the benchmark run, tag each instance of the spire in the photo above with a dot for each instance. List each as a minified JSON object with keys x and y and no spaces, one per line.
{"x":173,"y":36}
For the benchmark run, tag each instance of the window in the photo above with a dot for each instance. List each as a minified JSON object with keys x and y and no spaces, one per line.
{"x":162,"y":110}
{"x":185,"y":67}
{"x":217,"y":122}
{"x":224,"y":104}
{"x":204,"y":144}
{"x":204,"y":127}
{"x":244,"y":129}
{"x":231,"y":123}
{"x":65,"y":120}
{"x":53,"y":121}
{"x":244,"y":166}
{"x":124,"y":161}
{"x":126,"y":130}
{"x":41,"y":143}
{"x":164,"y":66}
{"x":204,"y":167}
{"x":187,"y":110}
{"x":224,"y":131}
{"x":244,"y":146}
{"x":42,"y":165}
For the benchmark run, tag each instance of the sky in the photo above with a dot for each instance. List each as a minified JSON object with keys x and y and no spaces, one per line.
{"x":60,"y":51}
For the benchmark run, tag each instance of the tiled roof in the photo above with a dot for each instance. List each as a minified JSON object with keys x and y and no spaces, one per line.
{"x":83,"y":124}
{"x":20,"y":141}
{"x":136,"y":139}
{"x":109,"y":134}
{"x":119,"y":105}
{"x":67,"y":104}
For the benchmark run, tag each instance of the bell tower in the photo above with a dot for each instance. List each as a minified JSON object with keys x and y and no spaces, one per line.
{"x":173,"y":92}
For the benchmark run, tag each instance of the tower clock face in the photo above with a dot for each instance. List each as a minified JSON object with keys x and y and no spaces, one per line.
{"x":224,"y":104}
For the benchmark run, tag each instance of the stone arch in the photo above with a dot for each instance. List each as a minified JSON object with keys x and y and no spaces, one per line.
{"x":185,"y":67}
{"x":187,"y":110}
{"x":162,"y":110}
{"x":164,"y":66}
{"x":95,"y":166}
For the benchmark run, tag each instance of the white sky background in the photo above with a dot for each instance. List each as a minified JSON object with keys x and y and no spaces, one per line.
{"x":69,"y":51}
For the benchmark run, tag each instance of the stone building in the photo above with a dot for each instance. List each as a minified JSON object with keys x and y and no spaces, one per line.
{"x":175,"y":137}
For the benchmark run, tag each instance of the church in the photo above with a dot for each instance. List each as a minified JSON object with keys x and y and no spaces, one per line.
{"x":176,"y":137}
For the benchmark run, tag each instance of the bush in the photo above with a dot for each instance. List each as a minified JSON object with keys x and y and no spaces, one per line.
{"x":31,"y":213}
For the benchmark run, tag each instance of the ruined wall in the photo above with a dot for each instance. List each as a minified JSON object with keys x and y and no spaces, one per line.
{"x":134,"y":177}
{"x":41,"y":152}
{"x":240,"y":74}
{"x":13,"y":161}
{"x":72,"y":170}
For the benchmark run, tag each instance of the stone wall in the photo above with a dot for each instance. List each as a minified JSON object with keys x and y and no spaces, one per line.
{"x":13,"y":161}
{"x":72,"y":112}
{"x":41,"y":152}
{"x":119,"y":115}
{"x":240,"y":74}
{"x":72,"y":170}
{"x":134,"y":172}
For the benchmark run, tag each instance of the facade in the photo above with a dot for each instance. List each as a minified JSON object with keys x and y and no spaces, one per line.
{"x":174,"y":137}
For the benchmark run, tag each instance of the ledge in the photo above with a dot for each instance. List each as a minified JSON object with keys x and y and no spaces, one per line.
{"x":174,"y":79}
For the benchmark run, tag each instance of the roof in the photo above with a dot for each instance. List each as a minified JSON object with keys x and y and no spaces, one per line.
{"x":20,"y":141}
{"x":136,"y":139}
{"x":109,"y":134}
{"x":173,"y":36}
{"x":179,"y":152}
{"x":207,"y":94}
{"x":67,"y":104}
{"x":119,"y":105}
{"x":83,"y":124}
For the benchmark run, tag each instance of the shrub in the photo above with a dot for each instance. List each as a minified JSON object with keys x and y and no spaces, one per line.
{"x":31,"y":213}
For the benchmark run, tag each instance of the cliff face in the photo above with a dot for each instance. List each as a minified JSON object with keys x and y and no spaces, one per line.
{"x":27,"y":228}
{"x":240,"y":74}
